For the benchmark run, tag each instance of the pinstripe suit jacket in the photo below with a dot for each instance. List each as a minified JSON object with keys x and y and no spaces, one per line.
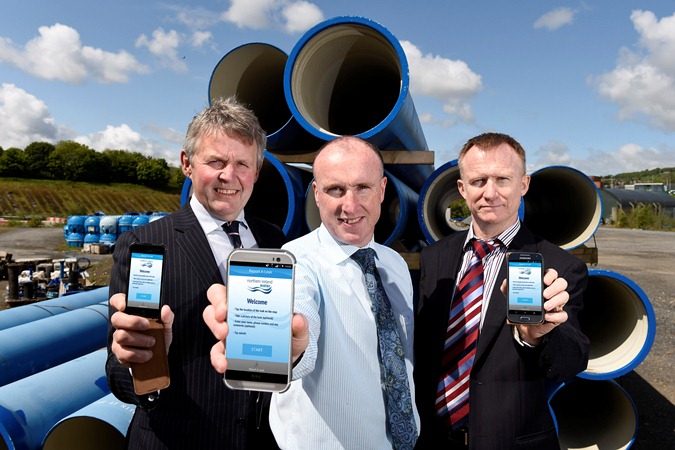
{"x":508,"y":402}
{"x":197,"y":411}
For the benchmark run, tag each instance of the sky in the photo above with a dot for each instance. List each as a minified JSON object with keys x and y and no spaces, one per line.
{"x":589,"y":85}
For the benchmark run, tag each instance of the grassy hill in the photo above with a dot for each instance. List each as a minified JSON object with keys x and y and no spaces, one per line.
{"x":26,"y":198}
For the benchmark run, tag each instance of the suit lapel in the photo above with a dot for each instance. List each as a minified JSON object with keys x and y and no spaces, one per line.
{"x":190,"y":238}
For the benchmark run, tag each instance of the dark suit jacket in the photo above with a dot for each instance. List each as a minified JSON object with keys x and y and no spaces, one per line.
{"x":197,"y":410}
{"x":508,"y":397}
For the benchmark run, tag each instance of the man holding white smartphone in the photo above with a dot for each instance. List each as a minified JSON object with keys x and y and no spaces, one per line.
{"x":342,"y":391}
{"x":222,"y":154}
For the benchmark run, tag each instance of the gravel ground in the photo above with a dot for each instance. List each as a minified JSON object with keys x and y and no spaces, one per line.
{"x":646,"y":258}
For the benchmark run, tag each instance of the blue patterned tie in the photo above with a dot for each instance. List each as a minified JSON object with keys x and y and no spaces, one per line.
{"x":392,"y":363}
{"x":232,"y":230}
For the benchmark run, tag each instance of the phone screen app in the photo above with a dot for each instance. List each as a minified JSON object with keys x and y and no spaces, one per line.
{"x":525,"y":286}
{"x":145,"y":280}
{"x":259,"y":317}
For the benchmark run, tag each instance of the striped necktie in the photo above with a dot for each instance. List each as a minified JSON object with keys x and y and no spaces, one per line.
{"x":232,"y":230}
{"x":452,"y":399}
{"x":393,"y":371}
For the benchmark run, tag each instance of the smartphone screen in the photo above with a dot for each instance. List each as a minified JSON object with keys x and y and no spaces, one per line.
{"x":144,"y":293}
{"x":525,"y":286}
{"x":260,"y":285}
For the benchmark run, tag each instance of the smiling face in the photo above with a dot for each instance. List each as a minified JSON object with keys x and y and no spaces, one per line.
{"x":349,"y":189}
{"x":492,"y":183}
{"x":223,"y":171}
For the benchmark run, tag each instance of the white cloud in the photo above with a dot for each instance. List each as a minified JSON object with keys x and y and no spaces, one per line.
{"x":301,"y":16}
{"x":123,"y":137}
{"x":201,"y":38}
{"x":249,"y":13}
{"x":643,"y":83}
{"x":58,"y":54}
{"x":451,"y":82}
{"x":627,"y":158}
{"x":164,"y":45}
{"x":25,"y":119}
{"x":290,"y":16}
{"x":555,"y":19}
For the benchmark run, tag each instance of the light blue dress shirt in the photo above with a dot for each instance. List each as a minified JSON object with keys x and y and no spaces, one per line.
{"x":336,"y":400}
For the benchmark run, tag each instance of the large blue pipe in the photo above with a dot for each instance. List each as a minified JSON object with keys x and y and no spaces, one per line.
{"x":47,"y":308}
{"x":594,"y":414}
{"x":30,"y":407}
{"x":620,"y":323}
{"x":563,"y":205}
{"x":39,"y":345}
{"x":101,"y":425}
{"x":349,"y":76}
{"x":254,"y":73}
{"x":397,"y":226}
{"x":278,"y":195}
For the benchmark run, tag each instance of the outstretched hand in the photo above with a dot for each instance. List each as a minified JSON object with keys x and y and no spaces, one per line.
{"x":215,"y":317}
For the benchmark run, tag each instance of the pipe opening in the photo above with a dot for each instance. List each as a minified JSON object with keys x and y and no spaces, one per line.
{"x":563,"y":206}
{"x":594,"y":415}
{"x":83,"y":433}
{"x":436,"y":215}
{"x":254,"y":73}
{"x":617,"y":324}
{"x":346,"y":79}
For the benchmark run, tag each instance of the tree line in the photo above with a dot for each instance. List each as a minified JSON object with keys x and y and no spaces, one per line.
{"x":72,"y":161}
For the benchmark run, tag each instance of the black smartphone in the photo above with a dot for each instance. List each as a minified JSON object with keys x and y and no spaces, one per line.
{"x":260,"y":291}
{"x":144,"y":298}
{"x":525,"y":287}
{"x":146,"y":270}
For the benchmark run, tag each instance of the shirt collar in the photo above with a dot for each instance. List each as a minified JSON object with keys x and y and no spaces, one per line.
{"x":505,"y":237}
{"x":208,"y":222}
{"x":338,"y":252}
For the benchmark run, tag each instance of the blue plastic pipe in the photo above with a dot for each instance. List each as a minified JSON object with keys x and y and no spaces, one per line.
{"x":101,"y":425}
{"x":594,"y":414}
{"x":349,"y":76}
{"x":278,"y":195}
{"x":434,"y":214}
{"x":563,"y":205}
{"x":620,"y":323}
{"x":42,"y":344}
{"x":254,"y":73}
{"x":30,"y":407}
{"x":47,"y":308}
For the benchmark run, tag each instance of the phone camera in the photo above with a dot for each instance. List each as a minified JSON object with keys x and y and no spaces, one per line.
{"x":277,"y":259}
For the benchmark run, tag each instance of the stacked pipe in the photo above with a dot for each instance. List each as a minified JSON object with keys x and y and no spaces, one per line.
{"x":349,"y":76}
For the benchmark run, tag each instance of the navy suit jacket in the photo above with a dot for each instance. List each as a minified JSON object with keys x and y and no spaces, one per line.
{"x":197,"y":410}
{"x":508,"y":383}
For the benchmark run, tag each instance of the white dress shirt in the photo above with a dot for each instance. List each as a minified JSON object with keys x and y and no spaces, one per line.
{"x":336,"y":400}
{"x":219,"y":241}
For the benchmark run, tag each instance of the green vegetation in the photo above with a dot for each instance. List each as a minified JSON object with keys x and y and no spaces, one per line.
{"x":34,"y":200}
{"x":664,"y":175}
{"x":72,"y":161}
{"x":645,"y":217}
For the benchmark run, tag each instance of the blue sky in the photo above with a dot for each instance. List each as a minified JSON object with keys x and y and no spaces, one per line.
{"x":589,"y":85}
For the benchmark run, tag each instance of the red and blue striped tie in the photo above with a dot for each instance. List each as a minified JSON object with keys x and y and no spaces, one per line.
{"x":452,"y":399}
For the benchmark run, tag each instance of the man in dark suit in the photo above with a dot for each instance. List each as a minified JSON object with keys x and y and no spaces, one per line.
{"x":509,"y":365}
{"x":223,"y":153}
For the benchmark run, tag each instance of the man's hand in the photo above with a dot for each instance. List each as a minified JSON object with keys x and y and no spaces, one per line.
{"x":129,"y":343}
{"x":556,"y":297}
{"x":215,"y":317}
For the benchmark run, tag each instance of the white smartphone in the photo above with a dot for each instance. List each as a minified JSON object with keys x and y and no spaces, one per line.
{"x":260,"y":291}
{"x":525,"y":287}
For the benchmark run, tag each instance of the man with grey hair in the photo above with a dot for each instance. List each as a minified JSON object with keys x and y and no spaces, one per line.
{"x":222,"y":155}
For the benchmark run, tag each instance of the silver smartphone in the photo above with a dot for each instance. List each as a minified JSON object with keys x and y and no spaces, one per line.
{"x":260,"y":291}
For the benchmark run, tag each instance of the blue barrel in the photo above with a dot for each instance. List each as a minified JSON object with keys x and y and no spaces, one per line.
{"x":140,"y":221}
{"x":126,"y":222}
{"x":91,"y":224}
{"x":620,"y":323}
